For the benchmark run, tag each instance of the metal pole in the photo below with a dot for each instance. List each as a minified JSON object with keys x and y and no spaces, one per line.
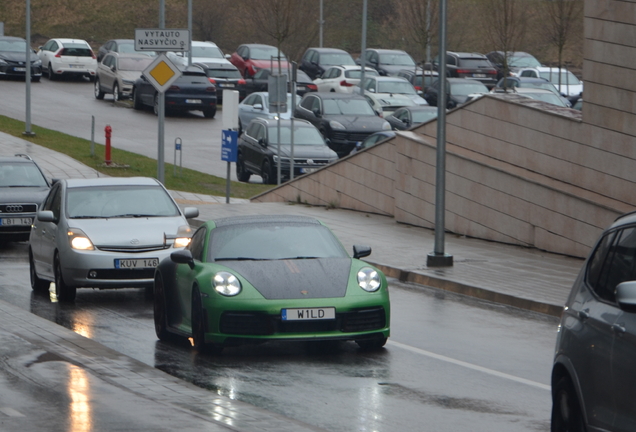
{"x":438,"y":258}
{"x":160,"y":155}
{"x":92,"y":135}
{"x":321,"y":23}
{"x":27,"y":77}
{"x":190,"y":30}
{"x":227,"y":184}
{"x":363,"y":61}
{"x":280,"y":158}
{"x":162,"y":14}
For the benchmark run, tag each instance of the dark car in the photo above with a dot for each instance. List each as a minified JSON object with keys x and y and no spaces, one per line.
{"x":473,"y":66}
{"x":316,"y":60}
{"x":515,"y":59}
{"x":373,"y":139}
{"x":407,"y":117}
{"x":386,"y":61}
{"x":192,"y":91}
{"x":119,"y":46}
{"x":458,"y":91}
{"x":13,"y":59}
{"x":259,"y":82}
{"x":419,"y":79}
{"x":529,"y":82}
{"x":342,"y":118}
{"x":23,"y":187}
{"x":225,"y":77}
{"x":250,"y":58}
{"x":593,"y":379}
{"x":258,"y":150}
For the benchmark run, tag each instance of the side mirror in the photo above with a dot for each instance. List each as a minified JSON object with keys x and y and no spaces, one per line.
{"x":227,"y":56}
{"x":244,"y":58}
{"x":258,"y":106}
{"x":183,"y":256}
{"x":46,"y":216}
{"x":190,"y":212}
{"x":626,"y":296}
{"x":361,"y":251}
{"x":113,"y":68}
{"x":262,"y":142}
{"x":316,"y":112}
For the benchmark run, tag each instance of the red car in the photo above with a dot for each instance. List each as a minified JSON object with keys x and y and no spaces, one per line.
{"x":249,"y":58}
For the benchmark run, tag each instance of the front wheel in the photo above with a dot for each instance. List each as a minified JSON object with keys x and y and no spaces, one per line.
{"x":160,"y":314}
{"x":241,"y":173}
{"x":51,"y":74}
{"x":116,"y":94}
{"x":37,"y":284}
{"x":63,"y":292}
{"x":209,"y":113}
{"x":99,"y":94}
{"x":566,"y":411}
{"x":137,"y":100}
{"x":267,"y":174}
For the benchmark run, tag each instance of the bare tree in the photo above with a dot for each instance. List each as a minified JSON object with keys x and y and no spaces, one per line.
{"x":562,"y":16}
{"x":418,"y":18}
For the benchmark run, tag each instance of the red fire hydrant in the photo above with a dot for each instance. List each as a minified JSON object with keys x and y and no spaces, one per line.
{"x":108,"y":130}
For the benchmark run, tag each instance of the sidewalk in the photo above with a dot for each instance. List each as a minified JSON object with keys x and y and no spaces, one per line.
{"x":521,"y":277}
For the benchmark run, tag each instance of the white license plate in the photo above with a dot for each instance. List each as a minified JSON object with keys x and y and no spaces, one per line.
{"x":226,"y":85}
{"x":300,"y":88}
{"x":479,"y":75}
{"x":308,"y":170}
{"x":76,"y":66}
{"x":136,"y":263}
{"x":19,"y":69}
{"x":298,"y":314}
{"x":16,"y":221}
{"x":193,"y":101}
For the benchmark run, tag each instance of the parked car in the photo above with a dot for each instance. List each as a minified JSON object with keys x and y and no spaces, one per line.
{"x":250,"y":58}
{"x":342,"y":79}
{"x":259,"y":82}
{"x":121,"y":46}
{"x":387,"y":62}
{"x":408,"y":117}
{"x":593,"y":383}
{"x":225,"y":76}
{"x":541,"y":95}
{"x":192,"y":91}
{"x":107,"y":232}
{"x":13,"y":59}
{"x":202,"y":52}
{"x":256,"y":105}
{"x":67,"y":57}
{"x":528,"y":82}
{"x":565,"y":81}
{"x":384,"y":87}
{"x":373,"y":139}
{"x":385,"y":104}
{"x":458,"y":91}
{"x":472,"y":66}
{"x":117,"y":74}
{"x":516,"y":60}
{"x":242,"y":280}
{"x":23,"y":187}
{"x":258,"y":150}
{"x":343,"y":119}
{"x":419,"y":79}
{"x":316,"y":60}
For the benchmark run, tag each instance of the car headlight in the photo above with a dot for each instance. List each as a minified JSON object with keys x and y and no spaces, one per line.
{"x":183,"y":238}
{"x":3,"y":63}
{"x":369,"y":279}
{"x":336,"y":125}
{"x":226,"y":283}
{"x":127,"y":82}
{"x":386,"y":126}
{"x":79,"y":240}
{"x":37,"y":62}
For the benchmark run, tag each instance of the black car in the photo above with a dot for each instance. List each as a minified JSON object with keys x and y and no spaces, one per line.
{"x":342,"y":118}
{"x":316,"y":60}
{"x":458,"y":91}
{"x":119,"y":46}
{"x":23,"y":187}
{"x":13,"y":59}
{"x":192,"y":91}
{"x":469,"y":65}
{"x":387,"y":62}
{"x":225,"y":76}
{"x":512,"y":82}
{"x":258,"y":83}
{"x":516,"y":60}
{"x":258,"y":150}
{"x":419,"y":79}
{"x":407,"y":117}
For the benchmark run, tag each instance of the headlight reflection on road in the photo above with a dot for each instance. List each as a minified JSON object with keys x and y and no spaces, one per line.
{"x":80,"y":409}
{"x":370,"y":405}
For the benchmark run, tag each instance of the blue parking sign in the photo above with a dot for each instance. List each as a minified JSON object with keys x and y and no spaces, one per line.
{"x":229,"y":145}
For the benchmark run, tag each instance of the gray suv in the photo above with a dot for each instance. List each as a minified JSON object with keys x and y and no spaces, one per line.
{"x":594,"y":376}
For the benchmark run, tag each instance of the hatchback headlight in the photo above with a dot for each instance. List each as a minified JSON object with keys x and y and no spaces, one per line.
{"x":386,"y":126}
{"x":368,"y":279}
{"x":183,"y":238}
{"x":38,"y":62}
{"x":79,"y":240}
{"x":226,"y":283}
{"x":336,"y":125}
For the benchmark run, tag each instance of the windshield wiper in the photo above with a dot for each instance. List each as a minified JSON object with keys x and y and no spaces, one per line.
{"x":132,"y":215}
{"x":301,"y":257}
{"x":241,"y":259}
{"x":87,"y":217}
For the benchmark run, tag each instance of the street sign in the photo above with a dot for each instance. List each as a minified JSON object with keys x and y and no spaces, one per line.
{"x":162,"y":40}
{"x":161,"y":73}
{"x":229,"y":145}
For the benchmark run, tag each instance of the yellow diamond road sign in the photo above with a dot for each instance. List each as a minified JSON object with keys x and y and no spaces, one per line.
{"x":161,"y":73}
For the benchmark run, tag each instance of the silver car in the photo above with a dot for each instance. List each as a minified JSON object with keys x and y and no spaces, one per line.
{"x":104,"y":233}
{"x":117,"y":73}
{"x":593,"y":378}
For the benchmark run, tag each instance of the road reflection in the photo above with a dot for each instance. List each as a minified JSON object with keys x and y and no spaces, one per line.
{"x":80,"y":410}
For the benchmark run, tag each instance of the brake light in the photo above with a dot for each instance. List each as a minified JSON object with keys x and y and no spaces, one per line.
{"x":418,"y":88}
{"x":463,"y":71}
{"x":174,"y":87}
{"x":241,"y":81}
{"x":492,"y":72}
{"x":212,"y":81}
{"x":312,"y":87}
{"x":344,"y":83}
{"x":93,"y":54}
{"x":59,"y":53}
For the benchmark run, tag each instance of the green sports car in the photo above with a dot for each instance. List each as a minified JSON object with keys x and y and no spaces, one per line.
{"x":259,"y":278}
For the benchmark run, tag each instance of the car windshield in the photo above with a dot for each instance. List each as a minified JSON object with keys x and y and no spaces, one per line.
{"x":567,"y":78}
{"x":273,"y":241}
{"x":134,"y":64}
{"x":336,"y":59}
{"x":264,"y":53}
{"x":303,"y":135}
{"x":119,"y":201}
{"x":347,"y":107}
{"x":397,"y":59}
{"x":289,"y":101}
{"x":541,"y":85}
{"x":207,"y":51}
{"x":13,"y":46}
{"x":423,"y":116}
{"x":546,"y":97}
{"x":465,"y":89}
{"x":399,"y":87}
{"x":20,"y":175}
{"x":126,"y":48}
{"x":223,"y":73}
{"x":523,"y":61}
{"x":355,"y":73}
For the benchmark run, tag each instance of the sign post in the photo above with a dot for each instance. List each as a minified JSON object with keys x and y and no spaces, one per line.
{"x":229,"y":149}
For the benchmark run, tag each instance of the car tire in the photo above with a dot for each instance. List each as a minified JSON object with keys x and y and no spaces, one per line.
{"x":242,"y":173}
{"x":63,"y":292}
{"x":99,"y":94}
{"x":116,"y":94}
{"x":159,"y":308}
{"x":37,"y":284}
{"x":51,"y":75}
{"x":566,"y":410}
{"x":371,"y":344}
{"x":266,"y":173}
{"x":198,"y":327}
{"x":209,"y":113}
{"x":137,"y":104}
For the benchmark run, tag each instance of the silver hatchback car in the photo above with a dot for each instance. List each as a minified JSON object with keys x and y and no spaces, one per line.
{"x":104,"y":233}
{"x":594,"y":372}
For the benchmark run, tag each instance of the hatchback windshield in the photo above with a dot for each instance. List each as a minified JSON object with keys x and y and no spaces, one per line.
{"x":271,"y":241}
{"x":20,"y":175}
{"x":355,"y":73}
{"x":223,"y":73}
{"x":263,"y":53}
{"x":474,"y":63}
{"x":303,"y":135}
{"x":206,"y":51}
{"x":13,"y":46}
{"x":119,"y":201}
{"x":336,"y":59}
{"x":347,"y":107}
{"x":399,"y":87}
{"x":397,"y":59}
{"x":77,"y":50}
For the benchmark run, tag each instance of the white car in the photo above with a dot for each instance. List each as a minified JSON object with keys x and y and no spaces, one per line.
{"x":391,"y":93}
{"x":256,"y":105}
{"x":342,"y":79}
{"x":570,"y":86}
{"x":202,"y":52}
{"x":73,"y":57}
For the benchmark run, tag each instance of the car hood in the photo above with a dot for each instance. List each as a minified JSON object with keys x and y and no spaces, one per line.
{"x":128,"y":232}
{"x":17,"y":56}
{"x":358,"y":123}
{"x":23,"y":195}
{"x":296,"y":279}
{"x":129,"y":75}
{"x":307,"y":151}
{"x":393,"y":99}
{"x":392,"y":69}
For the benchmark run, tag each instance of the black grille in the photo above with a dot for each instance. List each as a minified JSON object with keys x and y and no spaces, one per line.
{"x":355,"y":137}
{"x":245,"y":323}
{"x":133,"y":249}
{"x":18,"y":208}
{"x":119,"y":274}
{"x":364,"y":319}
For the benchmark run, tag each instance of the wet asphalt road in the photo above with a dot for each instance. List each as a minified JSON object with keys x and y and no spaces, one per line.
{"x":452,"y":363}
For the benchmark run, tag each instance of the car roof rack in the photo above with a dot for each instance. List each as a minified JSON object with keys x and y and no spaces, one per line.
{"x":22,"y":155}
